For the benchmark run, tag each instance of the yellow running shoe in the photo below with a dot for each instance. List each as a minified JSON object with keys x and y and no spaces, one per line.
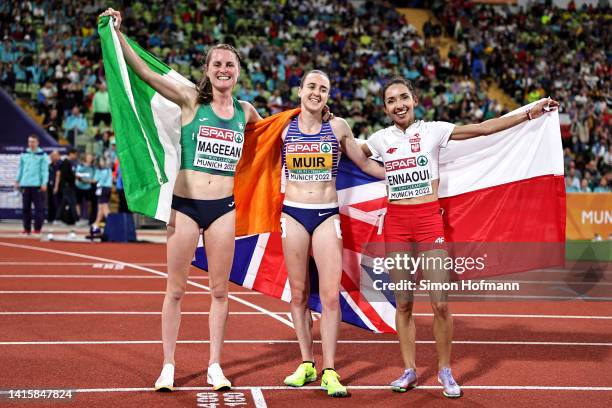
{"x":330,"y":381}
{"x":304,"y":374}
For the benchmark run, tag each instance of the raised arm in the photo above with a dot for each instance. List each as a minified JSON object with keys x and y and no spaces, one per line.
{"x":170,"y":89}
{"x":498,"y":124}
{"x":349,"y":146}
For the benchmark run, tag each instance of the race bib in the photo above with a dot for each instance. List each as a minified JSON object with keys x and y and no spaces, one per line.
{"x":309,"y":161}
{"x":408,"y":177}
{"x":218,"y":149}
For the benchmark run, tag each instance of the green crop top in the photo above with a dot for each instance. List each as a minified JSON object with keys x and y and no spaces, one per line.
{"x":212,"y":144}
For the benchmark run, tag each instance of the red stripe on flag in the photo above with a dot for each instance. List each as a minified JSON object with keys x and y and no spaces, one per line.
{"x":530,"y":210}
{"x":272,"y":275}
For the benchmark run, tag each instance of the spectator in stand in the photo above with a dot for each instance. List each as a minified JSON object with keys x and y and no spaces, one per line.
{"x":32,"y":177}
{"x":569,"y":187}
{"x":101,"y":106}
{"x":75,"y":125}
{"x":603,"y":186}
{"x":52,"y":123}
{"x":85,"y":188}
{"x":53,"y":199}
{"x":46,"y":97}
{"x":584,"y":186}
{"x":102,"y":144}
{"x":65,"y":186}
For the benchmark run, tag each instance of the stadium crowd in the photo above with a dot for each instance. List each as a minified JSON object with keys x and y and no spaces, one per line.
{"x":49,"y":52}
{"x":542,"y":50}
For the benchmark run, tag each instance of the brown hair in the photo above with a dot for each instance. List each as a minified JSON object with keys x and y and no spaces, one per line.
{"x":394,"y":81}
{"x":204,"y":87}
{"x":313,"y":71}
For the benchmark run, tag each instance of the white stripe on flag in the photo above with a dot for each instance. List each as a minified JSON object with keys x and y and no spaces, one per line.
{"x":167,"y":118}
{"x":530,"y":149}
{"x":258,"y":253}
{"x":128,"y":90}
{"x":364,"y":192}
{"x":286,"y":292}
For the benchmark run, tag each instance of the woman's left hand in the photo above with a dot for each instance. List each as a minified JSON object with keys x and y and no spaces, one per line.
{"x":542,"y":107}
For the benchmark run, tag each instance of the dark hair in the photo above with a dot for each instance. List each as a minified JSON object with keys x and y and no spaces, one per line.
{"x":33,"y":136}
{"x":313,"y":71}
{"x":72,"y":150}
{"x":393,"y":81}
{"x":204,"y":88}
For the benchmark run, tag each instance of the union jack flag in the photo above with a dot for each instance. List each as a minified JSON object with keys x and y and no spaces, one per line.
{"x":259,"y":263}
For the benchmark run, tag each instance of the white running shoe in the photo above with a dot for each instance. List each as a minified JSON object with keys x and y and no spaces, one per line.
{"x":165,"y":382}
{"x":215,"y":377}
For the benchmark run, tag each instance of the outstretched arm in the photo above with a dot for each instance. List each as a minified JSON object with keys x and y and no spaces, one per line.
{"x":353,"y":151}
{"x":498,"y":124}
{"x":170,"y":89}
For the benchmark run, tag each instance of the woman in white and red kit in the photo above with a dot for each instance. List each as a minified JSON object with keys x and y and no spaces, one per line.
{"x":410,"y":151}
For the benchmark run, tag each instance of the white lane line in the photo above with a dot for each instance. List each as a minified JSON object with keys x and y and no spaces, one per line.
{"x":153,"y":271}
{"x":455,"y":342}
{"x":258,"y":398}
{"x":354,"y":387}
{"x":478,"y":315}
{"x":22,"y":263}
{"x":525,"y":316}
{"x":124,"y":313}
{"x":107,"y":292}
{"x":92,"y":277}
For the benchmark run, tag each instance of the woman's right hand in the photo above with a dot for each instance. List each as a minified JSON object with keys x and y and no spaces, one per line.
{"x":115,"y":14}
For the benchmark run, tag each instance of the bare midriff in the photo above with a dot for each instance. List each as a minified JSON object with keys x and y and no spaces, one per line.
{"x":203,"y":186}
{"x":321,"y":192}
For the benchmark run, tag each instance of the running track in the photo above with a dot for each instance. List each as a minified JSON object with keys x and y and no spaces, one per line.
{"x":86,"y":317}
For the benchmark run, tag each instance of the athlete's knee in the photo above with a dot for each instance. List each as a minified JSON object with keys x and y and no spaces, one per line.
{"x":404,"y":308}
{"x":330,"y":300}
{"x":219,"y":292}
{"x":175,"y":294}
{"x":440,"y":310}
{"x":299,"y":298}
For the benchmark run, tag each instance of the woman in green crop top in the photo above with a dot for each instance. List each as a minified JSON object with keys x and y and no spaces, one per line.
{"x":212,"y":137}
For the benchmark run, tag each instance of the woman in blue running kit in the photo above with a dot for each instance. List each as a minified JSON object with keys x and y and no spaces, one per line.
{"x":310,"y":219}
{"x":212,"y":136}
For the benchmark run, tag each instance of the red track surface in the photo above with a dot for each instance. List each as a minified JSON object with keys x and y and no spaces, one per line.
{"x":261,"y":351}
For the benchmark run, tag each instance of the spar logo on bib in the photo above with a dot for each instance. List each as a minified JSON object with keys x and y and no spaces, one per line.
{"x":218,"y":148}
{"x":400,"y":164}
{"x":408,"y":177}
{"x":309,"y":161}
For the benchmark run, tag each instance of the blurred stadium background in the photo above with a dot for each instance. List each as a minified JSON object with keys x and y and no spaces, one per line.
{"x":470,"y":61}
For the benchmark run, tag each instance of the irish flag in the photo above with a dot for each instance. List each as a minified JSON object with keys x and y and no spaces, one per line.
{"x":147,"y":127}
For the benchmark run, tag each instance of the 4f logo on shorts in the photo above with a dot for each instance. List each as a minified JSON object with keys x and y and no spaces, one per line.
{"x":439,"y":240}
{"x":391,"y":150}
